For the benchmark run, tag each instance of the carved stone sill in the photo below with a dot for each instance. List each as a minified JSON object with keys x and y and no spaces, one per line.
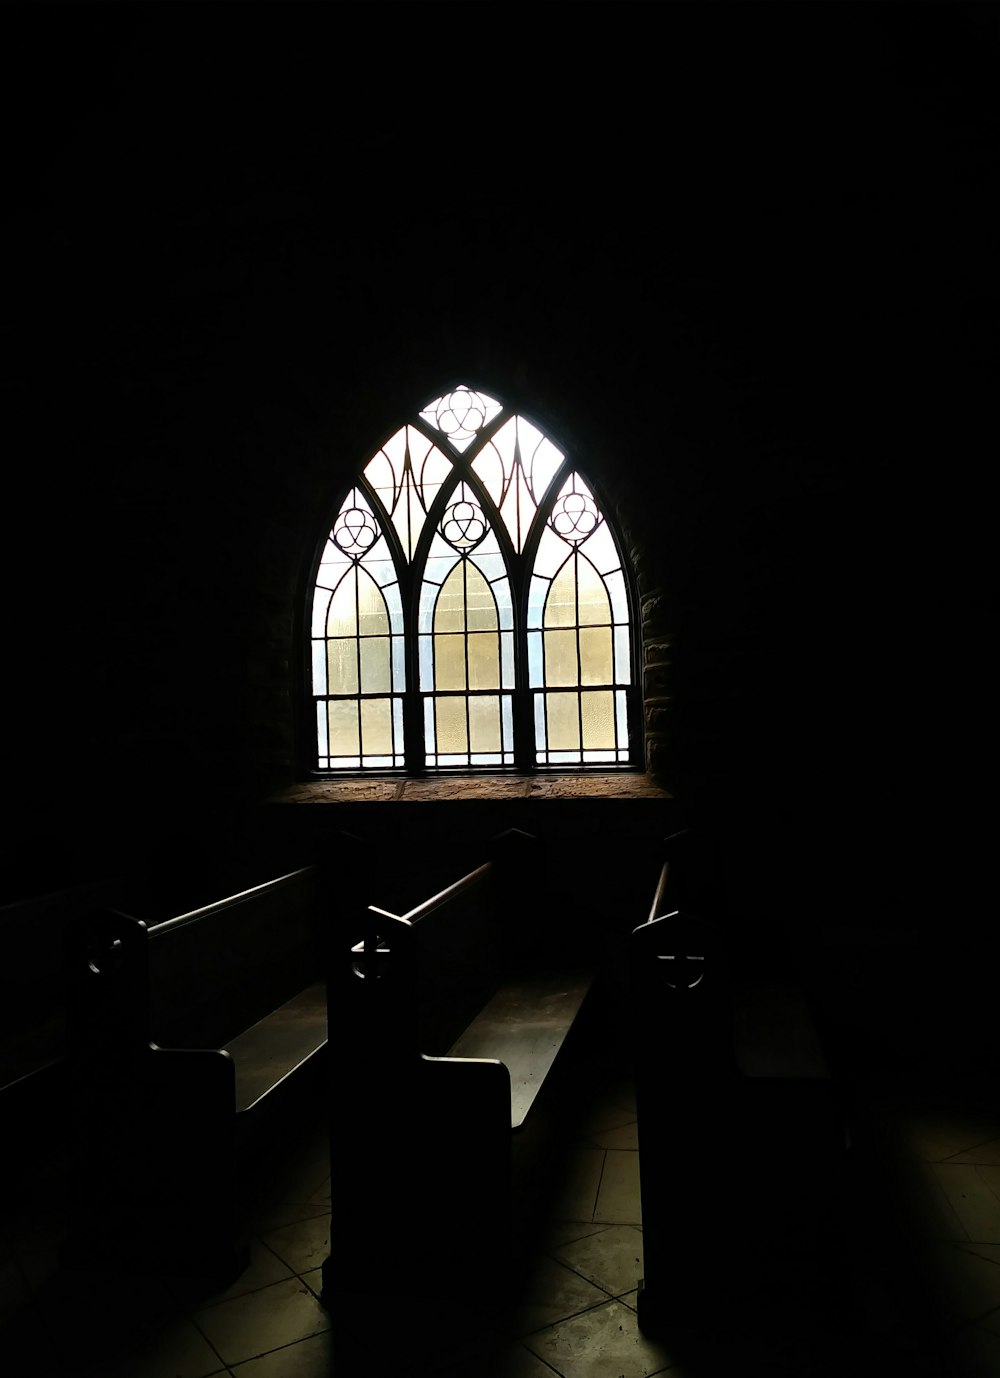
{"x":470,"y":787}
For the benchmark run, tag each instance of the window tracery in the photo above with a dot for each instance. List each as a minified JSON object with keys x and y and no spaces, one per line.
{"x":471,"y":608}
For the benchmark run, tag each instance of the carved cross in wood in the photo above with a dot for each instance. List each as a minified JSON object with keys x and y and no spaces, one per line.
{"x":685,"y":971}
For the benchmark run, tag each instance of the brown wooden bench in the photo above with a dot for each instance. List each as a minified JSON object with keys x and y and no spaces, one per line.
{"x":454,"y":1023}
{"x":741,"y":1129}
{"x":187,"y":1039}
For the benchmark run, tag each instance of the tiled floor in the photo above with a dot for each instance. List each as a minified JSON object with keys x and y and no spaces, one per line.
{"x":918,"y":1249}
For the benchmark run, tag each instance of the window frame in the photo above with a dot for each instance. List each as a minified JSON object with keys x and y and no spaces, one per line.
{"x":410,"y":575}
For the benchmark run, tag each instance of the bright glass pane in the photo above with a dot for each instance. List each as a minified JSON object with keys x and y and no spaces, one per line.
{"x":373,"y":617}
{"x":375,"y":670}
{"x":342,"y":665}
{"x":398,"y":665}
{"x":619,"y":600}
{"x":601,"y":550}
{"x":535,"y":678}
{"x":430,"y":740}
{"x":623,"y":660}
{"x":426,"y":663}
{"x":621,"y":717}
{"x":598,"y":710}
{"x":376,"y":727}
{"x":550,"y":554}
{"x":322,"y":728}
{"x":449,"y":661}
{"x":480,"y":606}
{"x":319,"y":667}
{"x":343,"y":721}
{"x":595,"y":606}
{"x":560,"y":658}
{"x":321,"y":605}
{"x":595,"y":655}
{"x":560,"y":606}
{"x":484,"y":724}
{"x":484,"y":660}
{"x":540,"y":739}
{"x":536,"y":600}
{"x":342,"y":619}
{"x":449,"y":613}
{"x":564,"y":722}
{"x":451,"y":728}
{"x":507,"y":659}
{"x":508,"y":723}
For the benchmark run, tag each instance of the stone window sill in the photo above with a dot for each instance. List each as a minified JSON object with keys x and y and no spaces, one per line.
{"x":585,"y":786}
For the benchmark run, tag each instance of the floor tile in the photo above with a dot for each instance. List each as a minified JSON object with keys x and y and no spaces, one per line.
{"x":263,"y":1269}
{"x":274,"y":1214}
{"x":963,"y":1285}
{"x":177,"y":1352}
{"x":626,"y":1136}
{"x":559,"y":1232}
{"x":303,"y":1245}
{"x":315,"y":1357}
{"x":519,"y":1362}
{"x":975,"y":1205}
{"x":612,"y":1260}
{"x":974,"y":1353}
{"x":261,"y":1321}
{"x":983,"y":1153}
{"x":618,"y":1196}
{"x":551,"y":1292}
{"x":600,"y":1343}
{"x":576,"y":1193}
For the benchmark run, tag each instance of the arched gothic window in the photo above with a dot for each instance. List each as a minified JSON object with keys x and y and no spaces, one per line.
{"x":470,"y":607}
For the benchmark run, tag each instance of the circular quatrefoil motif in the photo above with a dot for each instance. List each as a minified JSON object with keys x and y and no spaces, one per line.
{"x":463,"y":524}
{"x":355,"y":531}
{"x":574,"y":517}
{"x":460,"y":414}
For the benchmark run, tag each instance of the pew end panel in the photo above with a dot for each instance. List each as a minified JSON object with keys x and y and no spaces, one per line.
{"x":741,"y":1128}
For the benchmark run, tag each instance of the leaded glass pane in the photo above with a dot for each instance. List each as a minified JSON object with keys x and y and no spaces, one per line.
{"x":484,"y":724}
{"x":560,"y":657}
{"x":376,"y":727}
{"x":452,"y":736}
{"x":560,"y":606}
{"x":598,"y":715}
{"x":342,"y":619}
{"x":480,"y":605}
{"x":449,"y":615}
{"x":318,"y":668}
{"x":563,"y":714}
{"x":343,"y":720}
{"x":484,"y":660}
{"x":342,"y":665}
{"x":449,"y":661}
{"x":593,"y":601}
{"x":376,"y":677}
{"x":596,"y":665}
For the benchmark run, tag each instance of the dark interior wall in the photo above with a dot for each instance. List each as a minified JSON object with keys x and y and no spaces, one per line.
{"x":738,"y":258}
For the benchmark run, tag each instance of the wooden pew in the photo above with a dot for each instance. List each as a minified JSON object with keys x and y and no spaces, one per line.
{"x":188,"y":1039}
{"x":741,"y":1129}
{"x":33,"y":1016}
{"x":454,"y":1023}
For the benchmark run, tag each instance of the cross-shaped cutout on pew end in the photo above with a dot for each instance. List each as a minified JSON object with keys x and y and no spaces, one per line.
{"x":104,"y":955}
{"x":683,"y":971}
{"x":371,"y":957}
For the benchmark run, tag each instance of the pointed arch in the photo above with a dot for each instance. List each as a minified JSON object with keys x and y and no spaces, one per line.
{"x":472,"y":589}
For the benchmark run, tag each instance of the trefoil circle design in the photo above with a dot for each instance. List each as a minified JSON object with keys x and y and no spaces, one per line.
{"x":355,"y":531}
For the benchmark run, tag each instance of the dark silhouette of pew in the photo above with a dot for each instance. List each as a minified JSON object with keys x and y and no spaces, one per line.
{"x":190,"y":1041}
{"x":741,"y":1129}
{"x":455,"y":1024}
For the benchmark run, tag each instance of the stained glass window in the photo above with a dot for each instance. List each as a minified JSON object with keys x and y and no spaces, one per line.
{"x":471,"y":591}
